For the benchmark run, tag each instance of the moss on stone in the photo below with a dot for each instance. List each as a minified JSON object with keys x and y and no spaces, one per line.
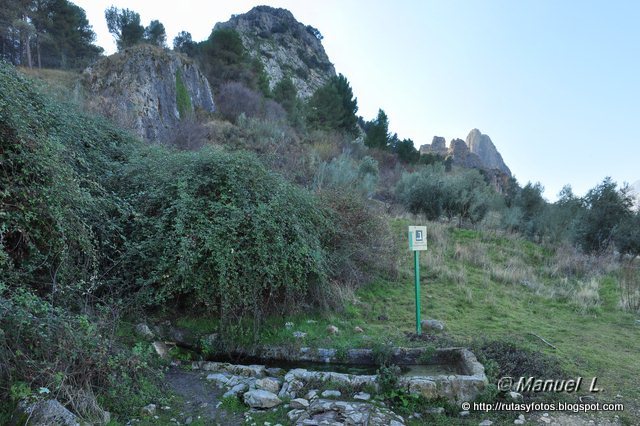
{"x":183,"y":100}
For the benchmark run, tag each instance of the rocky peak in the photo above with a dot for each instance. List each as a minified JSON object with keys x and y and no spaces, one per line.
{"x":438,"y":146}
{"x":483,"y":147}
{"x":285,"y":47}
{"x":462,"y":156}
{"x":147,"y":89}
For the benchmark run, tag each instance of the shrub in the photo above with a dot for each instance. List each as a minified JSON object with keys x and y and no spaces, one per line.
{"x":221,"y":230}
{"x":433,"y":192}
{"x":234,"y":99}
{"x":183,"y":101}
{"x":388,"y":378}
{"x":73,"y":356}
{"x":360,"y":243}
{"x":60,"y":226}
{"x":629,"y":289}
{"x":343,"y":173}
{"x":513,"y":361}
{"x":423,"y":192}
{"x":189,"y":134}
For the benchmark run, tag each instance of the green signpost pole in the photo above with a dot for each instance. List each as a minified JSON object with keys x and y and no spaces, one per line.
{"x":416,"y":260}
{"x":417,"y":243}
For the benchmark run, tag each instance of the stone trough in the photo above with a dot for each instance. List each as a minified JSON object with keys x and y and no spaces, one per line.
{"x":451,"y":373}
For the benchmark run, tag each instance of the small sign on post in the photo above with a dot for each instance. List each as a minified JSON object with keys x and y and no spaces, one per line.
{"x":417,"y":243}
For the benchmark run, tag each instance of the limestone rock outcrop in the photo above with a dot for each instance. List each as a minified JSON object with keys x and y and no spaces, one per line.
{"x":285,"y":47}
{"x":438,"y":146}
{"x":483,"y":147}
{"x":147,"y":89}
{"x":462,"y":156}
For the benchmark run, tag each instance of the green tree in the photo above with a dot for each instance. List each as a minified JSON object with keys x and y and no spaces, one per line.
{"x":606,"y":208}
{"x":155,"y":34}
{"x":49,"y":33}
{"x":423,"y":192}
{"x":559,"y":221}
{"x":224,"y":58}
{"x":406,"y":151}
{"x":333,"y":106}
{"x":64,"y":37}
{"x":286,"y":94}
{"x":184,"y":44}
{"x":627,"y":235}
{"x":125,"y":26}
{"x":378,"y":132}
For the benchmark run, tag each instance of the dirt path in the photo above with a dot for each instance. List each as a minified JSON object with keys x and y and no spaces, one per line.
{"x":200,"y":398}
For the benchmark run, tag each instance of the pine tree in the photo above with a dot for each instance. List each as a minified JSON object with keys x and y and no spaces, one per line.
{"x":378,"y":133}
{"x":125,"y":26}
{"x":155,"y":34}
{"x":334,"y":107}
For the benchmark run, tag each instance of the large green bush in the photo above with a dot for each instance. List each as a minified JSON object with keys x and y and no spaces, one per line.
{"x":59,"y":226}
{"x":432,"y":192}
{"x":222,"y":231}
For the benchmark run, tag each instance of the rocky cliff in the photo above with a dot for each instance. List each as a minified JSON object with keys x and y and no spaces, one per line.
{"x":477,"y":152}
{"x":285,"y":47}
{"x":483,"y":147}
{"x":463,"y":157}
{"x":147,"y":89}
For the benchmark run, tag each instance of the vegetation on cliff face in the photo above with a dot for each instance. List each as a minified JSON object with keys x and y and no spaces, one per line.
{"x":183,"y":100}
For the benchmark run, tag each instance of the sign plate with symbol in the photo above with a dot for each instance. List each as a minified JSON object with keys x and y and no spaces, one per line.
{"x":417,"y":238}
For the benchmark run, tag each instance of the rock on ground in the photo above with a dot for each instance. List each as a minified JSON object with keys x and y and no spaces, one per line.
{"x":44,"y":413}
{"x":261,"y":399}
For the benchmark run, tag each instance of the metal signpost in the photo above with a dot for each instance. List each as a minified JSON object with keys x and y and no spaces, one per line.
{"x":417,"y":243}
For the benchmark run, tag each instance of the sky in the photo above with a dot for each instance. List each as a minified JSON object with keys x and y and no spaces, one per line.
{"x":555,"y":84}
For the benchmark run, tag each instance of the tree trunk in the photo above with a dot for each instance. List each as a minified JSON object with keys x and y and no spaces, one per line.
{"x":29,"y":61}
{"x":38,"y":50}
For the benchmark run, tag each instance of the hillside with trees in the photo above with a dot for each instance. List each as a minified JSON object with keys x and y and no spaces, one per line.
{"x":257,"y":205}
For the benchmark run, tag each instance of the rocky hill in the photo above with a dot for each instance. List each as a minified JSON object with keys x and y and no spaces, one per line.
{"x":477,"y":152}
{"x":285,"y":47}
{"x":147,"y":89}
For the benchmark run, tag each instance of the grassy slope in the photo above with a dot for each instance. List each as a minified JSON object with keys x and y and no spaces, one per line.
{"x":464,"y":291}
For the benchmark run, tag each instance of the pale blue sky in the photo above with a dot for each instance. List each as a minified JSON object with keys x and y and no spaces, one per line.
{"x":554,"y":83}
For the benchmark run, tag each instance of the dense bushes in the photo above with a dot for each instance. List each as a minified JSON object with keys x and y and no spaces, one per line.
{"x":234,"y":99}
{"x":223,"y":231}
{"x":91,"y":218}
{"x":72,"y":356}
{"x":57,"y":228}
{"x":432,"y":192}
{"x":224,"y":58}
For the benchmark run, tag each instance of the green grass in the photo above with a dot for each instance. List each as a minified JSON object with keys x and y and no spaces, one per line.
{"x":233,"y":404}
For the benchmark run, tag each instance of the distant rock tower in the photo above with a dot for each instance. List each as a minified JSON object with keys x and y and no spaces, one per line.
{"x":482,"y":146}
